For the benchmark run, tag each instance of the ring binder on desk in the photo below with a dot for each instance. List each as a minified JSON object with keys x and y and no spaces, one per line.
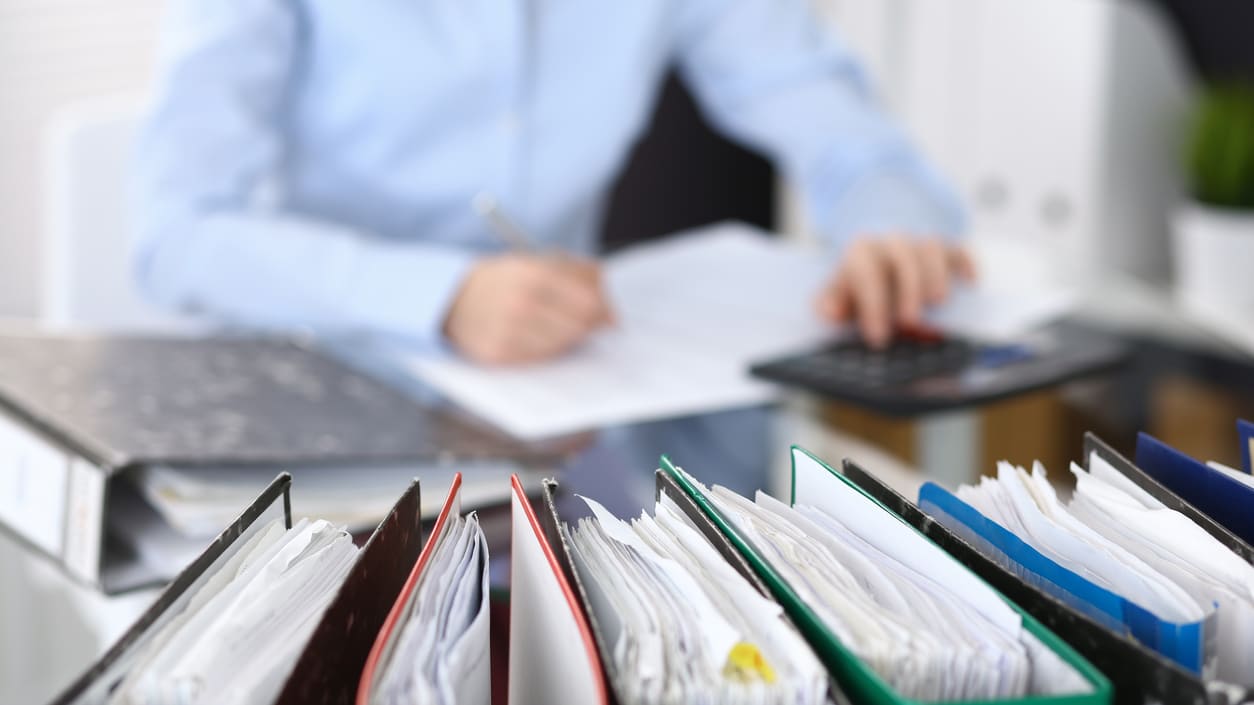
{"x":95,"y":685}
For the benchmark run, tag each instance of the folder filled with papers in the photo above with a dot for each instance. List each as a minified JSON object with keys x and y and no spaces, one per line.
{"x":672,"y":619}
{"x":1223,"y":493}
{"x":434,"y":646}
{"x":1123,"y":549}
{"x":272,"y":612}
{"x":1138,"y":674}
{"x":891,"y":616}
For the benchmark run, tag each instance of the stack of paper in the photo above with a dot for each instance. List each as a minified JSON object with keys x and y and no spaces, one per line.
{"x":440,"y":652}
{"x":1028,"y":506}
{"x":929,"y":629}
{"x":242,"y":632}
{"x":1131,"y":542}
{"x":683,"y":625}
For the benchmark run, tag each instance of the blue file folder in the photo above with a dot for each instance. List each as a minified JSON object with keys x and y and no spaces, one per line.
{"x":1225,"y":499}
{"x":1189,"y":644}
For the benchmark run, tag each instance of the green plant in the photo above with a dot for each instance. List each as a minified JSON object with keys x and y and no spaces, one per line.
{"x":1221,"y":147}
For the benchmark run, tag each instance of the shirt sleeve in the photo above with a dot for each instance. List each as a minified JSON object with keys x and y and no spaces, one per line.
{"x":768,"y":73}
{"x":214,"y":238}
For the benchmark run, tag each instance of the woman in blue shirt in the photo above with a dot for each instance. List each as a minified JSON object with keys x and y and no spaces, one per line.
{"x":311,"y":163}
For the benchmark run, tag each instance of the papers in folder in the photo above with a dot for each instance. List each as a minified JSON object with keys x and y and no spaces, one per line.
{"x":434,"y":646}
{"x":1175,"y":587}
{"x":890,"y":602}
{"x":242,"y":632}
{"x":694,"y":313}
{"x":705,"y":600}
{"x":684,"y":625}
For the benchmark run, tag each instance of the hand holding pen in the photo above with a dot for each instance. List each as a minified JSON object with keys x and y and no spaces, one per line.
{"x":524,"y":306}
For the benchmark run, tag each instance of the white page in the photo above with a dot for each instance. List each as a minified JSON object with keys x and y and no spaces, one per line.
{"x":543,"y":611}
{"x":677,"y":597}
{"x":694,"y":313}
{"x":1182,"y":550}
{"x":240,"y":640}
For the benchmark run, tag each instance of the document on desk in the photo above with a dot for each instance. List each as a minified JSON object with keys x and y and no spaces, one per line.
{"x":694,"y":313}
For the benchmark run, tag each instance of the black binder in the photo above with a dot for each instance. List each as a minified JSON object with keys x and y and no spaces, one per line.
{"x":1139,"y":675}
{"x":98,"y":682}
{"x":331,"y":662}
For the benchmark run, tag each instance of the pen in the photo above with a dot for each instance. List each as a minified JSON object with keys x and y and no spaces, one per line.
{"x":513,"y":236}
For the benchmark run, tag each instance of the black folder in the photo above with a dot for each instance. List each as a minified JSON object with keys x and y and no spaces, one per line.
{"x":331,"y":662}
{"x":1139,"y":675}
{"x":98,"y":682}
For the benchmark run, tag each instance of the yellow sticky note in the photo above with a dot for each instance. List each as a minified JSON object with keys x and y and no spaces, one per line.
{"x":746,"y":664}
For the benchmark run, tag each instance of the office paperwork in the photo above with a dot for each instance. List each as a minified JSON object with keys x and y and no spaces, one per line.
{"x":1137,"y":674}
{"x":1089,"y":572}
{"x":434,"y":646}
{"x":694,"y":313}
{"x":244,"y":630}
{"x":1224,"y":495}
{"x":193,"y":430}
{"x":684,"y":626}
{"x":266,"y":614}
{"x":892,"y":616}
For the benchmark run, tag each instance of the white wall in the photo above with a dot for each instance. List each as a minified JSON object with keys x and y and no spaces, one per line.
{"x":52,"y":53}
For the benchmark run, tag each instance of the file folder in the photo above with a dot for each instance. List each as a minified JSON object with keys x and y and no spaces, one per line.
{"x":1224,"y":499}
{"x":1137,"y":674}
{"x":1094,"y":445}
{"x":332,"y":661}
{"x":96,"y":684}
{"x":552,"y":532}
{"x":385,"y":637}
{"x":545,"y":610}
{"x":861,"y":683}
{"x":1188,"y":644}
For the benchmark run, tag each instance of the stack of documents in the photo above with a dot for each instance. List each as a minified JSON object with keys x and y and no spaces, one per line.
{"x":1222,"y":492}
{"x":244,"y":629}
{"x":918,"y":619}
{"x":683,"y":624}
{"x":1121,"y":538}
{"x":434,"y":648}
{"x":699,"y":603}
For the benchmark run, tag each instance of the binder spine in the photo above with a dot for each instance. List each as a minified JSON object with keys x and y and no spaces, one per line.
{"x":52,"y":497}
{"x":84,"y":520}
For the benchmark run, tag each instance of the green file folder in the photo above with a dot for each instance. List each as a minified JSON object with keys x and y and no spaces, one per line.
{"x":857,"y":679}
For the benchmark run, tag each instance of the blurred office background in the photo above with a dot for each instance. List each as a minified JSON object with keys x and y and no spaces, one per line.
{"x":1061,"y":121}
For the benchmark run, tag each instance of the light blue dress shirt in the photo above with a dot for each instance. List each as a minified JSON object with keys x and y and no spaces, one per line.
{"x":311,"y":163}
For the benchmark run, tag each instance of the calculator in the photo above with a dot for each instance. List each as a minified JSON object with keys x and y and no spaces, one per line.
{"x":920,"y":374}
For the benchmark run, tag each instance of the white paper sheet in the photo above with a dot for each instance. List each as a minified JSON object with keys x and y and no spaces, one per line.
{"x":242,"y":632}
{"x":694,"y":313}
{"x":688,"y":619}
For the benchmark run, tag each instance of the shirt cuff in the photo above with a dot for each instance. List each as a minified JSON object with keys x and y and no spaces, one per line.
{"x":406,"y":293}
